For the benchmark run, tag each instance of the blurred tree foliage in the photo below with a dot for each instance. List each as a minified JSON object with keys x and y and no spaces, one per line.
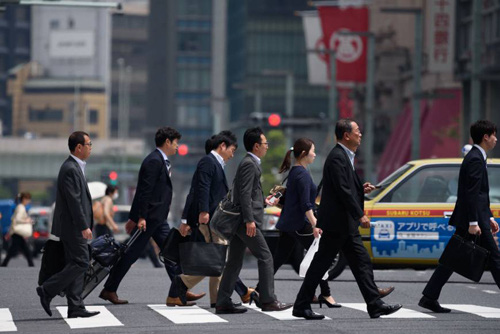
{"x":273,"y":159}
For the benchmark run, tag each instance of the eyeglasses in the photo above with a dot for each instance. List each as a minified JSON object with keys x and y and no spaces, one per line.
{"x":265,"y":143}
{"x":89,"y":144}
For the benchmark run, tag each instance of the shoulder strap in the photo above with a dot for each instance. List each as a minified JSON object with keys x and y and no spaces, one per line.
{"x":320,"y":186}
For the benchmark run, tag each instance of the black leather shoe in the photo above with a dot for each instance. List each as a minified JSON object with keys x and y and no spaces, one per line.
{"x":307,"y":314}
{"x":229,"y":310}
{"x":376,"y":311}
{"x":432,"y":305}
{"x":181,"y":289}
{"x":275,"y":306}
{"x":82,"y":314}
{"x":237,"y":304}
{"x":44,"y":300}
{"x":384,"y":292}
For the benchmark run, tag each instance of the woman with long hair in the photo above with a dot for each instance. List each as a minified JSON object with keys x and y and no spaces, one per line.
{"x":297,"y":222}
{"x":20,"y":230}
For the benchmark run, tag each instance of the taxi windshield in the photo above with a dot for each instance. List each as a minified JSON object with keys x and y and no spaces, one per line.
{"x":388,"y":181}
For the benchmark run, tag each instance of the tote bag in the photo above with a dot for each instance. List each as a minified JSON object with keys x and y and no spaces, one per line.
{"x":306,"y":262}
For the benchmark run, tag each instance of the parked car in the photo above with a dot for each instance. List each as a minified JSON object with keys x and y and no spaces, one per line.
{"x":409,"y":215}
{"x":40,"y":216}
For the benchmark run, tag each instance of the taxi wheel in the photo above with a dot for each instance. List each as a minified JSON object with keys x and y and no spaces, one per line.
{"x":337,"y":267}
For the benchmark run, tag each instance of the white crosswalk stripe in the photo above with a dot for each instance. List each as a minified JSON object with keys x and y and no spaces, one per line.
{"x":187,"y":314}
{"x":482,"y":311}
{"x":280,"y":315}
{"x":403,"y":313}
{"x":104,"y":319}
{"x":6,"y":321}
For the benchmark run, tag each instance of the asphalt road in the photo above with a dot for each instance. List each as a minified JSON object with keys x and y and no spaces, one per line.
{"x":146,"y":288}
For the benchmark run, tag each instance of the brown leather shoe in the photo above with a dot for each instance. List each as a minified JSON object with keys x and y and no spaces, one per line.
{"x":384,"y":292}
{"x":245,"y":299}
{"x":190,"y":297}
{"x":112,"y":297}
{"x":275,"y":306}
{"x":171,"y":301}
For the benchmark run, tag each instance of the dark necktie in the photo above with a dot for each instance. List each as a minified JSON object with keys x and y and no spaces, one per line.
{"x":167,"y":163}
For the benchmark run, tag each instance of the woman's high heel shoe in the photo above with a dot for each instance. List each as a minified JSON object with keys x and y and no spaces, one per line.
{"x":322,"y":301}
{"x":254,"y":297}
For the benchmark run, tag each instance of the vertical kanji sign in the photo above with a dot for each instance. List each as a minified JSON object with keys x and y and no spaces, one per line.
{"x":440,"y":35}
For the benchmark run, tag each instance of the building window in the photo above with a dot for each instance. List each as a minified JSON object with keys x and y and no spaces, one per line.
{"x":3,"y":40}
{"x":93,"y":116}
{"x":194,"y":41}
{"x":45,"y":115}
{"x":54,"y":24}
{"x":194,"y":7}
{"x":22,"y":13}
{"x":193,"y":79}
{"x":22,"y":40}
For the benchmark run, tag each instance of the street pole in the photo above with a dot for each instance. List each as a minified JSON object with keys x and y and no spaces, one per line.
{"x":258,"y":100}
{"x":475,"y":89}
{"x":332,"y":95}
{"x":417,"y":90}
{"x":369,"y":108}
{"x":126,"y":104}
{"x":76,"y":105}
{"x":121,"y":98}
{"x":289,"y":107}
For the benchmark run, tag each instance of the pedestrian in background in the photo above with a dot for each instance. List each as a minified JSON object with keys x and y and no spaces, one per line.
{"x":20,"y":230}
{"x":107,"y":225}
{"x":472,"y":214}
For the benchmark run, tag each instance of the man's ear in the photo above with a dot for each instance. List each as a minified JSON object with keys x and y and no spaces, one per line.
{"x":168,"y":142}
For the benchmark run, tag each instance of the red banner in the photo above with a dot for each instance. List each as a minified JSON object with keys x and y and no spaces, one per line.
{"x":350,"y":49}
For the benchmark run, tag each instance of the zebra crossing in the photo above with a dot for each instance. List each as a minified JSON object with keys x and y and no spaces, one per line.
{"x":199,"y":315}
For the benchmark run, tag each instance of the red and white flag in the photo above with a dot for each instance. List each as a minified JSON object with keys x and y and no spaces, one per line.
{"x":317,"y":67}
{"x":350,"y":50}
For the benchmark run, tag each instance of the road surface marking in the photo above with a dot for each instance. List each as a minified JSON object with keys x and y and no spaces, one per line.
{"x":403,"y":313}
{"x":186,"y":314}
{"x":6,"y":321}
{"x":482,"y":311}
{"x":280,"y":315}
{"x":491,"y":292}
{"x":104,"y":319}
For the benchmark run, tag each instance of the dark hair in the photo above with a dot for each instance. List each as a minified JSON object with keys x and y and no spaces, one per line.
{"x":77,"y":137}
{"x":166,"y":133}
{"x":21,"y":196}
{"x":342,"y":126}
{"x":209,"y":144}
{"x":300,"y":149}
{"x":111,"y":189}
{"x":481,"y":128}
{"x":252,"y":137}
{"x":226,"y":137}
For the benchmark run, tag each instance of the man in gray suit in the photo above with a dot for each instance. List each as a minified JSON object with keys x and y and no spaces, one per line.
{"x":73,"y":220}
{"x":248,"y":194}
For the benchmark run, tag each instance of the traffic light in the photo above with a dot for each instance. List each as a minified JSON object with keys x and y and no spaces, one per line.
{"x":183,"y":149}
{"x":274,"y":120}
{"x":113,"y":178}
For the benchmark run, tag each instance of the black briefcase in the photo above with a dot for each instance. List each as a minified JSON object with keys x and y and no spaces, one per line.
{"x":226,"y":218}
{"x":465,"y":257}
{"x":52,"y":260}
{"x":170,"y":249}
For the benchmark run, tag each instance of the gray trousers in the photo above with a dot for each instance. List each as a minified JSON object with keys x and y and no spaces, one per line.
{"x":260,"y":250}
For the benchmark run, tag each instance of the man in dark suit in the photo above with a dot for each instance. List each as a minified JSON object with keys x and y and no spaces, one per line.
{"x":149,"y":209}
{"x":248,"y":194}
{"x":73,"y":222}
{"x":340,"y":213}
{"x":208,"y":187}
{"x":472,"y":214}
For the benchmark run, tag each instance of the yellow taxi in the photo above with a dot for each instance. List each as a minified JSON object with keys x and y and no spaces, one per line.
{"x":410,"y":210}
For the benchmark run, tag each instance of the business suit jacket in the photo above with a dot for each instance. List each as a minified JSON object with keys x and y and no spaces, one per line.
{"x":208,"y":188}
{"x":73,"y":211}
{"x":248,"y":191}
{"x":342,"y":200}
{"x":153,"y":195}
{"x":473,"y":201}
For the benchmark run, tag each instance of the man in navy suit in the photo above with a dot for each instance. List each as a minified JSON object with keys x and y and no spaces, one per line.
{"x":208,"y":188}
{"x":472,"y":214}
{"x":149,"y":209}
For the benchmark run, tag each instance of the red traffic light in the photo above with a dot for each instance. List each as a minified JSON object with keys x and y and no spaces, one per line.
{"x":183,"y":149}
{"x":113,"y":176}
{"x":274,"y":120}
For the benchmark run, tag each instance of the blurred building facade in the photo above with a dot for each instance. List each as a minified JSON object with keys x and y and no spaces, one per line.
{"x":15,"y":49}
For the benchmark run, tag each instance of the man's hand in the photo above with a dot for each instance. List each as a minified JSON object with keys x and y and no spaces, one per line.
{"x":268,"y":201}
{"x":129,"y":226}
{"x":365,"y":221}
{"x":142,"y":224}
{"x":203,"y":217}
{"x":317,"y":232}
{"x":494,"y":226}
{"x":474,"y":229}
{"x":368,"y":187}
{"x":251,"y":229}
{"x":184,"y":229}
{"x":87,"y":234}
{"x":115,"y":228}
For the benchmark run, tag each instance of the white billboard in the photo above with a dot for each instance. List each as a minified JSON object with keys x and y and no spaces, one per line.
{"x":317,"y":67}
{"x":71,"y":44}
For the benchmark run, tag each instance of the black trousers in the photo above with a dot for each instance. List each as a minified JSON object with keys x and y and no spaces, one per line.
{"x":70,"y":279}
{"x":157,"y":231}
{"x":359,"y":262}
{"x":442,"y":274}
{"x":18,"y":243}
{"x":102,"y":230}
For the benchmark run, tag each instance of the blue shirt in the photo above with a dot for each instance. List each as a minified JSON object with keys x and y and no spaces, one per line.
{"x":300,"y":197}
